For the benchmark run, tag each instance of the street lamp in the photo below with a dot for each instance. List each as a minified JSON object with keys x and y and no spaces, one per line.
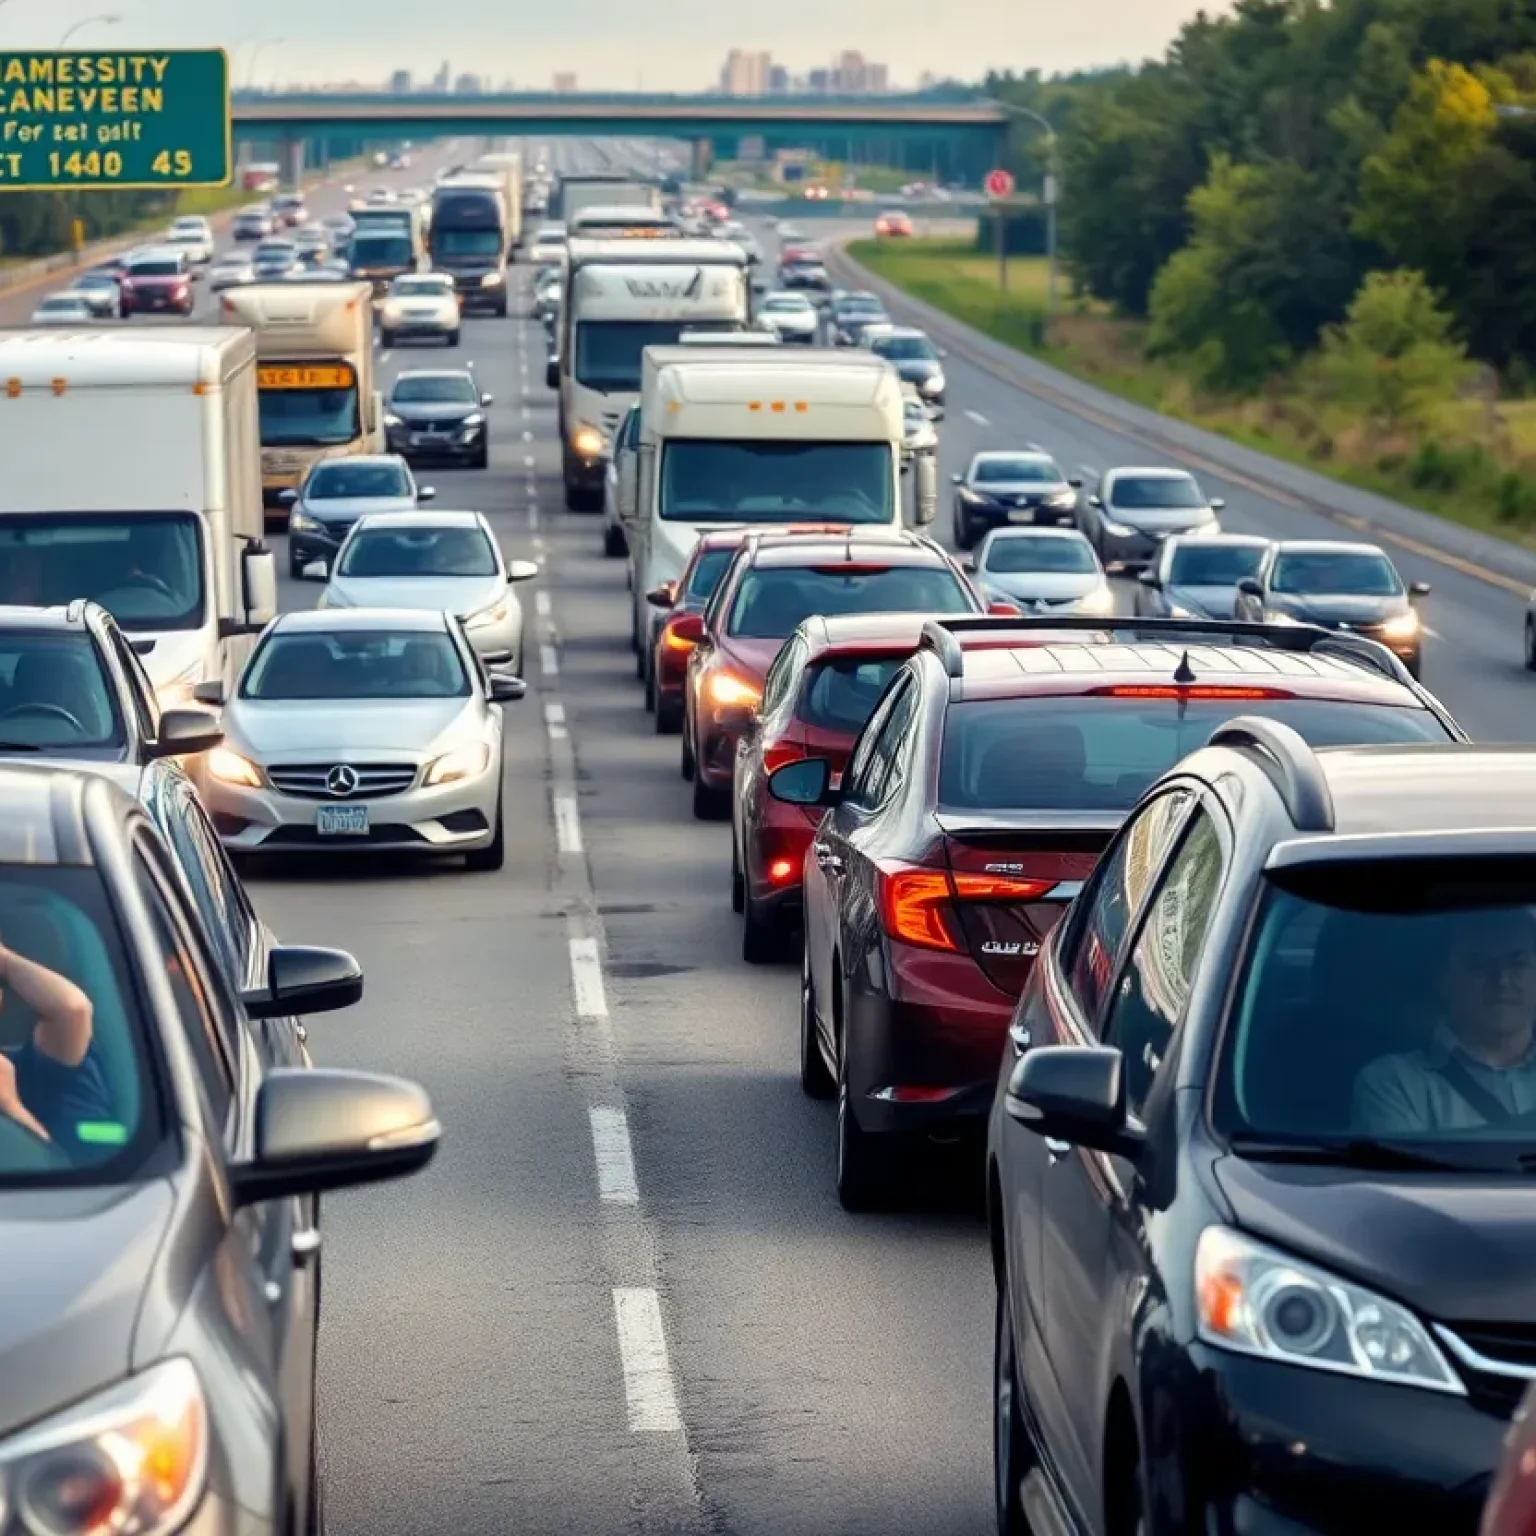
{"x":1050,"y":193}
{"x":90,"y":21}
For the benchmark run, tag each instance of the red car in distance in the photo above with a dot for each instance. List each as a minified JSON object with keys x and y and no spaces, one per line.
{"x":156,"y":281}
{"x":816,"y":698}
{"x":774,"y":583}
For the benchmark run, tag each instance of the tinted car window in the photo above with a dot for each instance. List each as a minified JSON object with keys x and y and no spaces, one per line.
{"x":346,"y":482}
{"x":772,"y":602}
{"x":767,"y":481}
{"x":872,"y":767}
{"x":707,"y":571}
{"x":418,"y":552}
{"x":55,"y":693}
{"x":356,"y":664}
{"x":1349,"y":575}
{"x":1100,"y":754}
{"x":1068,"y":556}
{"x":436,"y":389}
{"x":994,"y":471}
{"x":1156,"y":492}
{"x":1213,"y":565}
{"x":840,"y":695}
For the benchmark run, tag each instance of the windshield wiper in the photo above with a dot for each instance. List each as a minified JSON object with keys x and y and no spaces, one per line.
{"x":1353,"y":1152}
{"x":19,"y":746}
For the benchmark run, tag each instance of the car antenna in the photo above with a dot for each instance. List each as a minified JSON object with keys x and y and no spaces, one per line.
{"x":1184,"y":673}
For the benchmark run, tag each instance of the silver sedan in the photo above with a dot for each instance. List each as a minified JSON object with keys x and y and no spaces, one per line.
{"x":363,"y":731}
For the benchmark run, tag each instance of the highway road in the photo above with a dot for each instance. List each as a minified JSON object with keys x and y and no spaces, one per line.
{"x":624,"y":1298}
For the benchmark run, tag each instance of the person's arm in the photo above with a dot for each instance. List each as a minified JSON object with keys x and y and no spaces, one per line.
{"x":1384,"y":1103}
{"x":10,"y":1099}
{"x":63,"y":1011}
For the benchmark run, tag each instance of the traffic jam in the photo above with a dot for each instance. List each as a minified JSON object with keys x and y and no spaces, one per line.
{"x":1128,"y":981}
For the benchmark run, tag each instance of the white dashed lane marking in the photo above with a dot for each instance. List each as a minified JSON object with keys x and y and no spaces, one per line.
{"x":652,"y":1398}
{"x":616,"y":1183}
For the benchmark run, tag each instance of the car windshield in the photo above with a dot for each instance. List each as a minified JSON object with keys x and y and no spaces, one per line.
{"x":1050,"y":553}
{"x":1154,"y":492}
{"x":381,"y":250}
{"x":763,"y":481}
{"x":1387,"y":1008}
{"x":904,"y":349}
{"x":166,"y":268}
{"x":1006,"y":471}
{"x":96,"y":280}
{"x":356,"y":664}
{"x":145,"y":569}
{"x":797,"y":305}
{"x":772,"y":601}
{"x":707,"y":571}
{"x":467,"y":242}
{"x":88,"y":1125}
{"x":1097,"y":753}
{"x":69,"y":306}
{"x":1213,"y":565}
{"x":436,"y":389}
{"x":841,"y":694}
{"x":608,"y":351}
{"x":418,"y":552}
{"x":275,"y":250}
{"x":54,"y":695}
{"x":422,"y":288}
{"x":350,"y":482}
{"x":1336,"y":573}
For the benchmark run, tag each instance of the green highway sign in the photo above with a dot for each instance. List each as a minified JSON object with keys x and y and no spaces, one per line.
{"x":83,"y":118}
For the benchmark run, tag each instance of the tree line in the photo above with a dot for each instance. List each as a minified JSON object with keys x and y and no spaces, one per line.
{"x":41,"y":223}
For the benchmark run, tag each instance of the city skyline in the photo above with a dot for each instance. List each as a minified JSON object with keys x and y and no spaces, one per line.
{"x":611,"y":48}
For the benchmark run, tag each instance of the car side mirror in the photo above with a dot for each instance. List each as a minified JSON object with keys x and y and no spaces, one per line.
{"x":1418,"y":589}
{"x":258,"y":568}
{"x":1095,"y":501}
{"x":1075,"y":481}
{"x":1147,"y":578}
{"x":807,"y":782}
{"x":1075,"y":1093}
{"x":305,"y":979}
{"x":506,"y":689}
{"x":185,"y":733}
{"x":1249,"y":587}
{"x":487,"y":399}
{"x":925,"y":489}
{"x":552,"y":373}
{"x":1217,"y":504}
{"x":318,"y":1129}
{"x":210,"y":692}
{"x":957,"y":479}
{"x":316,"y":570}
{"x":663,"y":596}
{"x":426,"y":493}
{"x":688,"y":628}
{"x":288,"y":497}
{"x":522,"y":570}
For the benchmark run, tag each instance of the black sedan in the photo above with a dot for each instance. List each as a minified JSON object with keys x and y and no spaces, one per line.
{"x":438,"y":413}
{"x":1008,"y":487}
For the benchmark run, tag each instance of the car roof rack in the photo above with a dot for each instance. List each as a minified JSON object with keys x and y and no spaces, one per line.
{"x":1291,"y":765}
{"x":1128,"y":629}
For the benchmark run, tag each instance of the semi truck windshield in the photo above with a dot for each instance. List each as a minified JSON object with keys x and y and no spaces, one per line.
{"x":466,"y":242}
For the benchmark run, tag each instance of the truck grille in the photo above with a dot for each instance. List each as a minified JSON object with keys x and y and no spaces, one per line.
{"x":313,"y":781}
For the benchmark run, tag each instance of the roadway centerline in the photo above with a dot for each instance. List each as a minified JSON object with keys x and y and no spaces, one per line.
{"x":567,"y":825}
{"x":616,"y":1181}
{"x":647,"y":1369}
{"x":549,"y":662}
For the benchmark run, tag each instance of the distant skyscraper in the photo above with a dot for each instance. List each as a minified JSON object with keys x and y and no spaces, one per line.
{"x":778,"y":80}
{"x":746,"y":73}
{"x":879,"y":77}
{"x":565,"y":82}
{"x":441,"y":78}
{"x":400,"y":83}
{"x":467,"y":85}
{"x":819,"y":82}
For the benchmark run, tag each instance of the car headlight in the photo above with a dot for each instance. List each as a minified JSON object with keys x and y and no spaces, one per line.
{"x":133,"y":1458}
{"x":1061,"y":501}
{"x":461,"y":763}
{"x":587,"y":441}
{"x":230,"y":768}
{"x":726,"y":689}
{"x":391,"y":420}
{"x":474,"y":419}
{"x":1176,"y":612}
{"x":495,"y":614}
{"x":1118,"y":530}
{"x":1404,"y":626}
{"x":967,"y":494}
{"x":300,"y":522}
{"x":491,"y":280}
{"x":1100,"y":600}
{"x":177,"y":693}
{"x":1280,"y":617}
{"x":1258,"y":1301}
{"x":932,"y":385}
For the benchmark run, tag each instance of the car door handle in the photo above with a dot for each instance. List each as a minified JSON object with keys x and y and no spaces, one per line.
{"x":825,"y":858}
{"x":304,"y":1245}
{"x":1056,"y":1150}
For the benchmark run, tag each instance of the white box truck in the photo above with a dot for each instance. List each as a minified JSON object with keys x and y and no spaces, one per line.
{"x":508,"y":165}
{"x":133,"y":477}
{"x":620,"y":297}
{"x":587,"y":189}
{"x":770,"y":435}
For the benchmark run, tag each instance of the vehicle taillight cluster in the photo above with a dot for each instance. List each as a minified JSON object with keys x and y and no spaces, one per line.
{"x":917,"y":904}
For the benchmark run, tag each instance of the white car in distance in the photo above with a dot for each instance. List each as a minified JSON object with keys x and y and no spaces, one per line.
{"x":369,"y":731}
{"x":792,"y":315}
{"x":435,"y":561}
{"x":420,"y":306}
{"x":64,"y":309}
{"x":233,"y":269}
{"x":194,"y":235}
{"x":1041,"y":570}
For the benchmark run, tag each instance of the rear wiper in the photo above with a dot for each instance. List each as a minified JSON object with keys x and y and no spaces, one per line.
{"x":1359,"y":1152}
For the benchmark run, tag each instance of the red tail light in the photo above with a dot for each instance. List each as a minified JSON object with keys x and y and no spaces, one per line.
{"x":917,"y":904}
{"x":999,"y":888}
{"x":1193,"y":691}
{"x":781,"y":871}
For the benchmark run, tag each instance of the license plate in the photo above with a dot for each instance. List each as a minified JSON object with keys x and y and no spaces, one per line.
{"x":422,"y":439}
{"x":1023,"y":515}
{"x":342,"y":820}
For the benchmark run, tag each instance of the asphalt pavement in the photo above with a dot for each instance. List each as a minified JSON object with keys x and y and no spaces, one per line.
{"x":624,"y":1297}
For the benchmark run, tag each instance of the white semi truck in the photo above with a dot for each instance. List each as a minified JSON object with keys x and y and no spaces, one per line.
{"x":133,"y":478}
{"x":769,"y":435}
{"x":620,"y":297}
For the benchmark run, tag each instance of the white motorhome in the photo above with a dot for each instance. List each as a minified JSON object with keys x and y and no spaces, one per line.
{"x":620,"y":297}
{"x":769,"y":435}
{"x":133,"y":477}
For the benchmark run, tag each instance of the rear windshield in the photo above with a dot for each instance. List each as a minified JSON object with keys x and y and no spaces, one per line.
{"x":1072,"y":556}
{"x":841,"y":695}
{"x":357,"y":664}
{"x":772,"y":602}
{"x":1213,"y":565}
{"x":1099,"y":754}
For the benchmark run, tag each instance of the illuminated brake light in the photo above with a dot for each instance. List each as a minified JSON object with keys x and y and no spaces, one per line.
{"x":782,"y":870}
{"x":999,"y":888}
{"x":1193,"y":691}
{"x":915,"y":906}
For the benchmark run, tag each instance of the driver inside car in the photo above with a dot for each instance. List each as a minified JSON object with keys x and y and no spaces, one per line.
{"x":51,"y":1082}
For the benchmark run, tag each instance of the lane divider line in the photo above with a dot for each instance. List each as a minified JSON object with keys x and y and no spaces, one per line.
{"x":567,"y":826}
{"x":616,"y":1182}
{"x":541,"y":604}
{"x":652,"y":1398}
{"x":549,"y":662}
{"x":978,"y":418}
{"x":533,"y":517}
{"x":587,"y":980}
{"x":527,"y":435}
{"x":529,"y":461}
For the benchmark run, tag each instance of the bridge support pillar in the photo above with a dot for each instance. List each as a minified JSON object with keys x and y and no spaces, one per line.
{"x":701,"y":156}
{"x":293,"y":163}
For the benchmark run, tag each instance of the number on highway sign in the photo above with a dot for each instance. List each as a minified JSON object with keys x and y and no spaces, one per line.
{"x":999,"y":184}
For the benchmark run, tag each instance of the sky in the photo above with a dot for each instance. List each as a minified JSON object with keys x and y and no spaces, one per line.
{"x":666,"y":45}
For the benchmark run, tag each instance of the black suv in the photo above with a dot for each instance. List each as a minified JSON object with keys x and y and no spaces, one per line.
{"x":1259,"y":1162}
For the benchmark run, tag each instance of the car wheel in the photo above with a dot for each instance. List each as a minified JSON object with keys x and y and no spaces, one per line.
{"x":815,"y":1080}
{"x":708,"y":804}
{"x":296,"y":569}
{"x":386,"y":338}
{"x":648,"y":678}
{"x":1530,"y":646}
{"x":494,"y":854}
{"x":687,"y":751}
{"x":453,"y":338}
{"x":738,"y":880}
{"x":669,"y":717}
{"x":614,"y":544}
{"x":863,"y":1162}
{"x":1012,"y":1455}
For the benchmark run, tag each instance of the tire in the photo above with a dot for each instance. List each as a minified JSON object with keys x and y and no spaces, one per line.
{"x":1124,"y":1505}
{"x":708,"y":804}
{"x":296,"y":568}
{"x":965,"y":535}
{"x":386,"y":338}
{"x":669,"y":716}
{"x":494,"y":854}
{"x":615,"y":546}
{"x":685,"y":766}
{"x":762,"y":939}
{"x":863,"y":1163}
{"x":738,"y":880}
{"x":1013,"y":1456}
{"x":648,"y":680}
{"x":452,"y":338}
{"x":816,"y":1082}
{"x":1530,"y":646}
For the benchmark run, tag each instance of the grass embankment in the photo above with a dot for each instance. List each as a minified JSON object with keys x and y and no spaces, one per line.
{"x":1474,"y":464}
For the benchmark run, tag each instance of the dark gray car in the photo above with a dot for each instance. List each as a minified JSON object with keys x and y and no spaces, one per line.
{"x":1197,"y":578}
{"x":1132,"y":511}
{"x":161,"y":1149}
{"x":438,"y":413}
{"x":915,"y":358}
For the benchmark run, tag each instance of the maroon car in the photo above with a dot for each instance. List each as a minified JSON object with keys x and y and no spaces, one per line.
{"x":999,"y":762}
{"x":774,"y":583}
{"x":157,"y":282}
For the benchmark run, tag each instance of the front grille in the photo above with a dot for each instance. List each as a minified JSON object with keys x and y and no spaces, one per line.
{"x":309,"y":837}
{"x":1511,"y":1346}
{"x":308,"y":781}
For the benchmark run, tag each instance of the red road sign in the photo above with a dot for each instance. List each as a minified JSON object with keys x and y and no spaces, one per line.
{"x":999,"y":184}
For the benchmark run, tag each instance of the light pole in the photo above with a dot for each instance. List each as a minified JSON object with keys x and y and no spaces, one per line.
{"x":89,"y":21}
{"x":1050,"y":191}
{"x":261,"y":48}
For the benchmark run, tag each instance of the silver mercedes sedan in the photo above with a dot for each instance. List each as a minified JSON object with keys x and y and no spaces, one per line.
{"x":355,"y":730}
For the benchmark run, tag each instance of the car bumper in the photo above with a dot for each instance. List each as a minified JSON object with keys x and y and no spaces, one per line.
{"x":447,"y":818}
{"x":1136,"y":549}
{"x":996,"y":515}
{"x":586,"y":474}
{"x":420,"y":446}
{"x":494,"y":297}
{"x":307,"y":546}
{"x":779,"y":841}
{"x":501,"y":638}
{"x":1267,"y":1449}
{"x":438,"y":325}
